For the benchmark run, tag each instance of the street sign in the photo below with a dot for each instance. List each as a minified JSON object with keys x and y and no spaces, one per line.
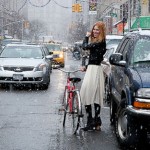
{"x":113,"y":14}
{"x":92,"y":7}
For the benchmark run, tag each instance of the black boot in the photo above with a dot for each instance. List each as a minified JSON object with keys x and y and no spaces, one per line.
{"x":98,"y":121}
{"x":90,"y":121}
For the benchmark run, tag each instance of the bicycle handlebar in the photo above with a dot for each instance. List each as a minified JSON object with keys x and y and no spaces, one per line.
{"x":66,"y":71}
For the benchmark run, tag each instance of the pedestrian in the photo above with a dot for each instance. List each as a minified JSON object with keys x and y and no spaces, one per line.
{"x":92,"y":88}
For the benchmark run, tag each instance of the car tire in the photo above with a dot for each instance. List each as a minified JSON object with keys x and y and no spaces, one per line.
{"x":51,"y":70}
{"x":45,"y":86}
{"x":63,"y":65}
{"x":126,"y":133}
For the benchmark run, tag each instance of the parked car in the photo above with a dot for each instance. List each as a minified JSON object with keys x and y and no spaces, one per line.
{"x":25,"y":64}
{"x":107,"y":70}
{"x":130,"y":88}
{"x":9,"y":41}
{"x":113,"y":39}
{"x":58,"y":54}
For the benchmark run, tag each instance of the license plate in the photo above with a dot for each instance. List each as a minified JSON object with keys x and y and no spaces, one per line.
{"x":18,"y":77}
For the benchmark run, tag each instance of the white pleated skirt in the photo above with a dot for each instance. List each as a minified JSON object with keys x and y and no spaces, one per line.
{"x":92,"y":88}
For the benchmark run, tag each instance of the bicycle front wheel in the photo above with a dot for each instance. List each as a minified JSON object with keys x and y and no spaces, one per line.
{"x":76,"y":111}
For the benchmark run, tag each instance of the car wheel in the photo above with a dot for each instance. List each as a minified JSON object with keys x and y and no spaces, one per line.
{"x":45,"y":85}
{"x":51,"y":69}
{"x":126,"y":133}
{"x":63,"y":65}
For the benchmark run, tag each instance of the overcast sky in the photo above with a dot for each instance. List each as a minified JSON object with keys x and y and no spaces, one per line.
{"x":54,"y":15}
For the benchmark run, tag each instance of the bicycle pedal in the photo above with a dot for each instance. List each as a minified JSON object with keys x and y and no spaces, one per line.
{"x":61,"y":109}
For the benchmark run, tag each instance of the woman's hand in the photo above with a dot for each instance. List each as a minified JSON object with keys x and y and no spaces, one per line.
{"x":88,"y":34}
{"x":83,"y":68}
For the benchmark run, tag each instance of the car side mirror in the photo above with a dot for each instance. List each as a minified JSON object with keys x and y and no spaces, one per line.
{"x":114,"y":59}
{"x":49,"y":57}
{"x":50,"y":53}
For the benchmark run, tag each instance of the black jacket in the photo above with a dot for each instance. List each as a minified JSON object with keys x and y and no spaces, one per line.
{"x":97,"y":50}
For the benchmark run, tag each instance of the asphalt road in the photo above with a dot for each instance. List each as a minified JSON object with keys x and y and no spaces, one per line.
{"x":30,"y":119}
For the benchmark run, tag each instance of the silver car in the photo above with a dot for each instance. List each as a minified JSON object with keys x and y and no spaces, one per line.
{"x":25,"y":64}
{"x":107,"y":68}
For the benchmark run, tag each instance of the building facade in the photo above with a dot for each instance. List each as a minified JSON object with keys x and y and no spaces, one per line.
{"x":124,"y":15}
{"x":12,"y":12}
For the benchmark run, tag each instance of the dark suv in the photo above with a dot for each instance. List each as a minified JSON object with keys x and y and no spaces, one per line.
{"x":130,"y":88}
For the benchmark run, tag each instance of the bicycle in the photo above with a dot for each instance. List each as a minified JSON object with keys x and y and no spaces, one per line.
{"x":72,"y":101}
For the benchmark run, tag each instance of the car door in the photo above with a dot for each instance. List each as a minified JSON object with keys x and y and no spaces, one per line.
{"x":46,"y":52}
{"x":118,"y":71}
{"x":122,"y":76}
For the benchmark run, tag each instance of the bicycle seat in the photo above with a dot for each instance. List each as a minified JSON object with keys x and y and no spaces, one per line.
{"x":75,"y":79}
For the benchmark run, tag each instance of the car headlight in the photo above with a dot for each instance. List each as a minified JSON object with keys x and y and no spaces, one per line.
{"x":143,"y":93}
{"x":142,"y":99}
{"x":61,"y":55}
{"x":41,"y":67}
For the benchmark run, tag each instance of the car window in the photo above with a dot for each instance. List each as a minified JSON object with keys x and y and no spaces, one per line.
{"x":46,"y":50}
{"x":21,"y":52}
{"x":141,"y":50}
{"x":121,"y":49}
{"x":109,"y":52}
{"x":54,"y":47}
{"x":125,"y":50}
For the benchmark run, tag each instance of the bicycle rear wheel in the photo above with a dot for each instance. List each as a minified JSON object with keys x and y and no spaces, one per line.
{"x":76,"y":111}
{"x":65,"y":113}
{"x":65,"y":96}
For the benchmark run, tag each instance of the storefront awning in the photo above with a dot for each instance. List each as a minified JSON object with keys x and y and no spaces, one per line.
{"x":115,"y":25}
{"x":142,"y":22}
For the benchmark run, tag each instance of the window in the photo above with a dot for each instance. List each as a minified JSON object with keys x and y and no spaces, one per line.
{"x":141,"y":50}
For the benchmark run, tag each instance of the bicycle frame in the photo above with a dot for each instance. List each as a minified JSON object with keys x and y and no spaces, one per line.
{"x":70,"y":87}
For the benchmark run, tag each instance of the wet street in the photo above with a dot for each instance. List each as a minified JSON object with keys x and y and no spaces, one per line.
{"x":30,"y":119}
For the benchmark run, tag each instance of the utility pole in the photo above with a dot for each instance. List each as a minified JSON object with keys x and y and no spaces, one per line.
{"x":2,"y":31}
{"x":138,"y":14}
{"x":22,"y":29}
{"x":129,"y":15}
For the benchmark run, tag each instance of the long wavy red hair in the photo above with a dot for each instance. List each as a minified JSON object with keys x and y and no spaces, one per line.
{"x":102,"y":35}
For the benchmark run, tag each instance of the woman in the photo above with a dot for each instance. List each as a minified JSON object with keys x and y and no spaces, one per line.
{"x":92,"y":89}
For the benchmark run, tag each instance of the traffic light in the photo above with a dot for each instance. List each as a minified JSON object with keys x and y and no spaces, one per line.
{"x":76,"y":8}
{"x":26,"y":24}
{"x":145,"y":2}
{"x":79,"y":8}
{"x":73,"y":8}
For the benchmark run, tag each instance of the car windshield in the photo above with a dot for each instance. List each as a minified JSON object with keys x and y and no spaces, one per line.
{"x":141,"y":51}
{"x":54,"y":47}
{"x":21,"y":52}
